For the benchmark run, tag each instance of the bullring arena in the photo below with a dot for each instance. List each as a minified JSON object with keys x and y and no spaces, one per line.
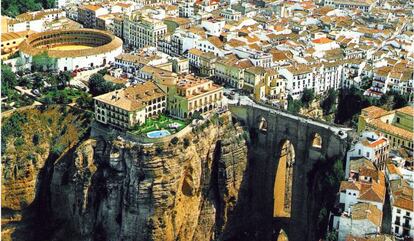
{"x":74,"y":48}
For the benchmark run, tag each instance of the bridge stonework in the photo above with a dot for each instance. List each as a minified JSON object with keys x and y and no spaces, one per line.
{"x":264,"y":153}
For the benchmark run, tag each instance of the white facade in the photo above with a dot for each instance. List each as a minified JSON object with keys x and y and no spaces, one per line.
{"x":358,"y":228}
{"x":213,"y":27}
{"x":72,"y":63}
{"x":297,"y":81}
{"x":402,"y":224}
{"x":143,"y":32}
{"x":371,"y":146}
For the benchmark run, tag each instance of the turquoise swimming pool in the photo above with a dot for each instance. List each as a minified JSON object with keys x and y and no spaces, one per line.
{"x":158,"y":134}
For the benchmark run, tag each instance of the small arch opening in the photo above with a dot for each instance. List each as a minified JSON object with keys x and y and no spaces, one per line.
{"x":316,"y":141}
{"x":263,"y":125}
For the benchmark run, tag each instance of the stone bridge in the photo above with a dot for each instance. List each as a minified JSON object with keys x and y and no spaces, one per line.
{"x":313,"y":142}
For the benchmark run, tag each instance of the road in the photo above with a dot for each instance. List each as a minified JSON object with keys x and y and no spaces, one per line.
{"x":83,"y":77}
{"x":246,"y":101}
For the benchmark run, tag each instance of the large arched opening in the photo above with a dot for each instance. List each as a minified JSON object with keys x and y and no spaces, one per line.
{"x":282,"y":189}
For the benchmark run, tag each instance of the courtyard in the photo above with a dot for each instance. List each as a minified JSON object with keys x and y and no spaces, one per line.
{"x":160,"y":126}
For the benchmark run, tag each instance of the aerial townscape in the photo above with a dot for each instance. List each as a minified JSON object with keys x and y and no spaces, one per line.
{"x":198,"y":120}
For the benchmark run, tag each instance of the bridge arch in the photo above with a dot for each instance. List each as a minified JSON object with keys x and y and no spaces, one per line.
{"x":282,"y":187}
{"x":316,"y":140}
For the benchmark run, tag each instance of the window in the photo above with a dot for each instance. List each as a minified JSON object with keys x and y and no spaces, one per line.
{"x":398,"y":210}
{"x":398,"y":119}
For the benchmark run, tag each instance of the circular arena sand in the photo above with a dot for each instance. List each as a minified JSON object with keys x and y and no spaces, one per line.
{"x":71,"y":47}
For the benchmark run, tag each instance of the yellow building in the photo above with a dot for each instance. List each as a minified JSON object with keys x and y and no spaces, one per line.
{"x":230,"y":70}
{"x":396,"y":125}
{"x":191,"y":94}
{"x":127,"y":107}
{"x":271,"y":88}
{"x":10,"y":42}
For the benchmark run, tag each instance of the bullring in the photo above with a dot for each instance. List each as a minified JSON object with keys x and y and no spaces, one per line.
{"x":73,"y":48}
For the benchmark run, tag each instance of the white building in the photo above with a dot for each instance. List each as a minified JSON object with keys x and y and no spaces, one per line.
{"x":372,"y":146}
{"x":213,"y":27}
{"x":298,"y":78}
{"x":186,"y":8}
{"x":142,"y":32}
{"x":230,"y":15}
{"x":324,"y":44}
{"x":130,"y":106}
{"x":402,"y":208}
{"x":258,"y":58}
{"x":364,"y":219}
{"x":35,"y":21}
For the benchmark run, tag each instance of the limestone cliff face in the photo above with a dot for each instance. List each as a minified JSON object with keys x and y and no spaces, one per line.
{"x":118,"y":190}
{"x":32,"y":139}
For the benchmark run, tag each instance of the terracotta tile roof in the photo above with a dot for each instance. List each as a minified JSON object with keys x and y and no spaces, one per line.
{"x":235,"y":43}
{"x":367,"y":211}
{"x":299,"y":69}
{"x":373,"y":112}
{"x":384,"y":127}
{"x":374,"y":144}
{"x":322,"y":40}
{"x":15,"y":35}
{"x":404,"y":203}
{"x":256,"y":70}
{"x":195,"y":52}
{"x":409,"y":110}
{"x":215,"y":41}
{"x":357,"y":164}
{"x":132,"y":98}
{"x":252,"y":39}
{"x":115,"y":80}
{"x":372,"y":192}
{"x":349,"y":185}
{"x":91,"y":7}
{"x":255,"y":47}
{"x":402,"y":194}
{"x":392,"y":169}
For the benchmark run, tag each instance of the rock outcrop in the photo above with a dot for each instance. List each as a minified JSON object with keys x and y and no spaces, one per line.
{"x":119,"y":190}
{"x":32,"y":139}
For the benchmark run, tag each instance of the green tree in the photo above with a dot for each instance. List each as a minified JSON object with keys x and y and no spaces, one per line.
{"x":332,"y":236}
{"x":307,"y":97}
{"x":328,"y":103}
{"x":43,"y":62}
{"x":8,"y":79}
{"x":85,"y":101}
{"x":366,"y":82}
{"x":13,"y":8}
{"x":64,"y":78}
{"x":350,"y":103}
{"x":399,"y":100}
{"x":197,"y":116}
{"x":294,"y":106}
{"x":174,"y":140}
{"x":98,"y":85}
{"x":186,"y":142}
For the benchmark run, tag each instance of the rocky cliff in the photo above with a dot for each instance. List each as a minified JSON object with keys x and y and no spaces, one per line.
{"x":119,"y":190}
{"x":32,"y":139}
